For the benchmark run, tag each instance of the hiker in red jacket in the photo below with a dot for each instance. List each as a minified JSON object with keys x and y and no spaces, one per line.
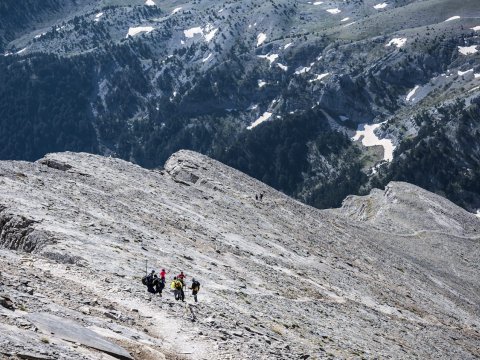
{"x":163,"y":273}
{"x":182,"y":277}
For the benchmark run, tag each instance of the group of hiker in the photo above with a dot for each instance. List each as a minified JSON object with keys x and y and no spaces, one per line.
{"x":155,"y":284}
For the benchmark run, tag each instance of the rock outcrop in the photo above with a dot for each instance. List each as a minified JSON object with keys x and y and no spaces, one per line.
{"x":390,"y":275}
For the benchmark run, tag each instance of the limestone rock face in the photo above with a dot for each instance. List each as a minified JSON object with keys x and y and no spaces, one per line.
{"x":390,"y":275}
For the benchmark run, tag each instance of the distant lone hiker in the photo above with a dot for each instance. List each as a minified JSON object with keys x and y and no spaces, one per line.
{"x":195,"y":289}
{"x":261,"y":196}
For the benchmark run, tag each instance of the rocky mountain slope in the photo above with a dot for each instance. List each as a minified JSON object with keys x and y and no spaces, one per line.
{"x":391,"y":275}
{"x":141,"y":79}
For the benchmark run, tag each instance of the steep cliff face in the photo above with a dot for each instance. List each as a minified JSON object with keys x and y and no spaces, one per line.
{"x":393,"y":274}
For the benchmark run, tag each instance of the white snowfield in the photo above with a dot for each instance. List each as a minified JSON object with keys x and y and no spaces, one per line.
{"x":137,"y":30}
{"x":453,"y":18}
{"x":461,"y":73}
{"x":345,"y":19}
{"x":412,"y":93}
{"x":261,"y":39}
{"x":398,"y":42}
{"x":208,"y":32}
{"x":318,"y":3}
{"x":283,"y":67}
{"x":303,"y":70}
{"x":380,"y":6}
{"x":271,"y":57}
{"x":468,"y":50}
{"x":150,"y":3}
{"x":190,"y":33}
{"x":286,"y":46}
{"x":334,"y":11}
{"x":367,"y":133}
{"x":261,"y":83}
{"x":207,"y":58}
{"x":319,"y":77}
{"x":476,"y":28}
{"x":266,"y":115}
{"x":177,"y":9}
{"x":98,"y":16}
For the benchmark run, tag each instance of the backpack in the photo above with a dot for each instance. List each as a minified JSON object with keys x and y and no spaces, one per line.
{"x":196,"y":285}
{"x":144,"y":280}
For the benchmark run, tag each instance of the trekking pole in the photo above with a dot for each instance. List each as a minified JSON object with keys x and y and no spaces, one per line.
{"x":146,"y":266}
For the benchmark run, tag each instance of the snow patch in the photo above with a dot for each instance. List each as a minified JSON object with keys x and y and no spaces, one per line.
{"x":190,"y":33}
{"x":461,"y":73}
{"x":349,"y":24}
{"x":318,"y":3}
{"x":266,"y":115}
{"x":478,"y":214}
{"x":286,"y":46}
{"x":468,"y":50}
{"x":98,"y":16}
{"x":476,"y":28}
{"x":412,"y":93}
{"x":283,"y":67}
{"x":345,"y":19}
{"x":210,"y":34}
{"x":319,"y":77}
{"x":150,"y":3}
{"x":177,"y":9}
{"x":21,"y":51}
{"x":334,"y":11}
{"x":271,"y":58}
{"x":380,"y":6}
{"x":261,"y":39}
{"x":398,"y":42}
{"x":453,"y":18}
{"x":367,"y":133}
{"x":477,"y":76}
{"x":343,"y":118}
{"x":207,"y":58}
{"x":137,"y":30}
{"x":303,"y":70}
{"x":261,"y":83}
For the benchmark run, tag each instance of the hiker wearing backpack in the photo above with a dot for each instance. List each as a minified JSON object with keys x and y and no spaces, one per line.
{"x":195,"y":289}
{"x":148,"y":280}
{"x":159,"y":285}
{"x":177,"y":287}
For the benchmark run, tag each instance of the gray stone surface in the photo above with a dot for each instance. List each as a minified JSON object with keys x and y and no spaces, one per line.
{"x":390,"y":275}
{"x":72,"y":331}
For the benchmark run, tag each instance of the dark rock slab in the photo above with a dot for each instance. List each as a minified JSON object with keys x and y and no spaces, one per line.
{"x":74,"y":332}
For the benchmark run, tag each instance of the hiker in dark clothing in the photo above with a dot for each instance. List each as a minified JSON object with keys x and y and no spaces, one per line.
{"x":261,"y":196}
{"x":159,"y":285}
{"x":151,"y":282}
{"x":195,"y":289}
